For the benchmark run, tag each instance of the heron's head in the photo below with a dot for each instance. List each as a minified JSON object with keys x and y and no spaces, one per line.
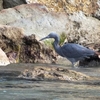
{"x":51,"y":35}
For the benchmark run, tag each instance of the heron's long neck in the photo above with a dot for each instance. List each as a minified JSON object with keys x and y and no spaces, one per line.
{"x":56,"y":46}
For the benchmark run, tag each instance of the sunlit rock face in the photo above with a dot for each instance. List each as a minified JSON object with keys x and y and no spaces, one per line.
{"x":3,"y":58}
{"x":9,"y":32}
{"x":70,"y":6}
{"x":34,"y":18}
{"x":82,"y":29}
{"x":88,"y":7}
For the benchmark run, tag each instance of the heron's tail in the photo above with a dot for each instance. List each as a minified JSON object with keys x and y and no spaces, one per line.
{"x":97,"y":54}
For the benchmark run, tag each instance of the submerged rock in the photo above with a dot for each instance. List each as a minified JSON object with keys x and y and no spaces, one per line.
{"x":53,"y":73}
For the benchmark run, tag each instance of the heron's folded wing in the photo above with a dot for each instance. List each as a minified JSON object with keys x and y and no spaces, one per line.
{"x":71,"y":50}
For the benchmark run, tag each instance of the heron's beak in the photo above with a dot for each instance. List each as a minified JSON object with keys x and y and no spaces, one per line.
{"x":44,"y":38}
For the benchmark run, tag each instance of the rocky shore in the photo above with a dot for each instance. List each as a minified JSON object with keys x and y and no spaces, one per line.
{"x":23,"y":23}
{"x":42,"y":72}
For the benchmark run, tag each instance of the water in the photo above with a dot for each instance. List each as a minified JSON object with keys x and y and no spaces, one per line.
{"x":44,"y":90}
{"x":17,"y":89}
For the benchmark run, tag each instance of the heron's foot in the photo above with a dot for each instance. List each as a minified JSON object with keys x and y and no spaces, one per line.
{"x":75,"y":64}
{"x":19,"y":48}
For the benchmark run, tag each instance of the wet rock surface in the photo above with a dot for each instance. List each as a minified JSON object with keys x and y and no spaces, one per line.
{"x":16,"y":82}
{"x":53,"y":73}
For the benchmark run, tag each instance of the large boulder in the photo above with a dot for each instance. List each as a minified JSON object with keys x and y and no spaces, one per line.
{"x":13,"y":33}
{"x":34,"y":18}
{"x":97,"y":12}
{"x":23,"y":49}
{"x":88,"y":7}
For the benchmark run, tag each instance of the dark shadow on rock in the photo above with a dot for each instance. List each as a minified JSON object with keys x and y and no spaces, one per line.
{"x":92,"y":61}
{"x":12,"y":3}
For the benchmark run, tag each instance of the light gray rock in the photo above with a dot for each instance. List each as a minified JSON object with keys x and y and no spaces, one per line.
{"x":13,"y":33}
{"x":82,"y":29}
{"x":97,"y":12}
{"x":3,"y":58}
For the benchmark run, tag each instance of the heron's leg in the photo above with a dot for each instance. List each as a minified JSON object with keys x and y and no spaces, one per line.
{"x":75,"y":64}
{"x":19,"y":49}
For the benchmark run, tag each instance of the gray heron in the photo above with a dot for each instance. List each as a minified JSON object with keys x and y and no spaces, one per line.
{"x":73,"y":52}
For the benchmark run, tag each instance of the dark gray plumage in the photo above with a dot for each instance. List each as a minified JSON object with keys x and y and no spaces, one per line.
{"x":73,"y":52}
